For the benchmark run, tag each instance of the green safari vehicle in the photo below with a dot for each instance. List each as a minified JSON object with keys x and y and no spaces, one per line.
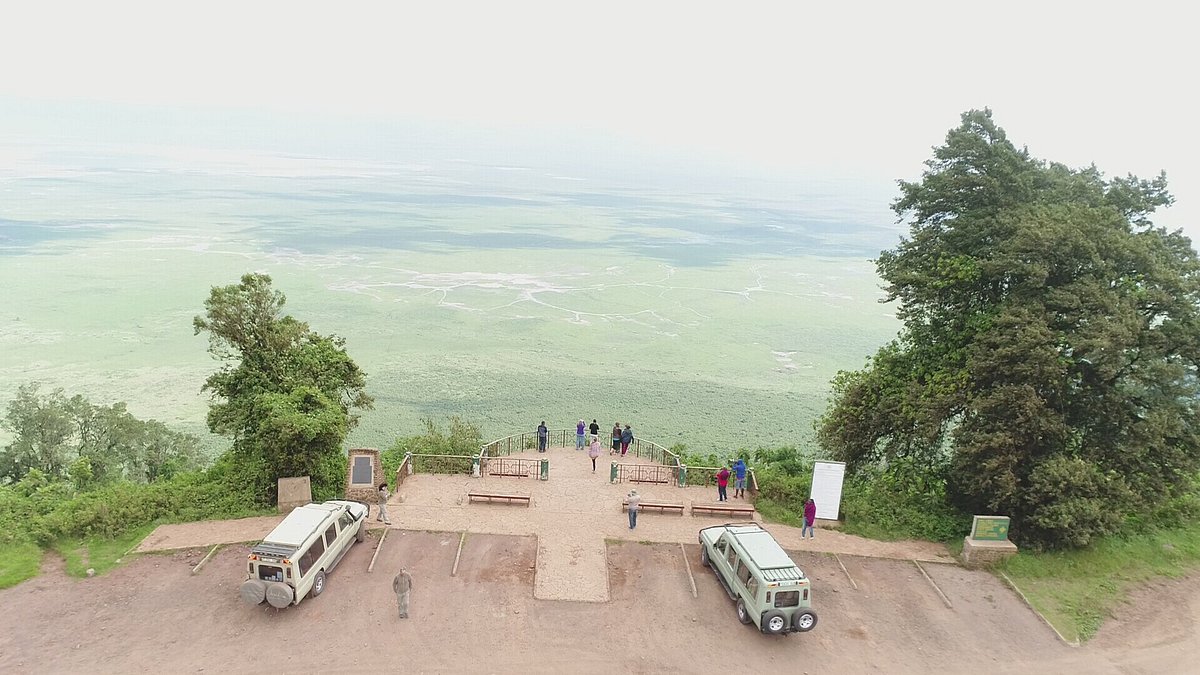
{"x":770,"y":590}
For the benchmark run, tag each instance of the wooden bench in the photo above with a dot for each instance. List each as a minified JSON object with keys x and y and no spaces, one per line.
{"x":724,"y":509}
{"x":662,"y":507}
{"x":472,"y":496}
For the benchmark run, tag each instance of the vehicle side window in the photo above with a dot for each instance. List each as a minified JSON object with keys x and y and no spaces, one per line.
{"x":732,"y":558}
{"x":346,"y":520}
{"x":743,"y":572}
{"x":330,"y":535}
{"x":311,"y":556}
{"x":752,"y":587}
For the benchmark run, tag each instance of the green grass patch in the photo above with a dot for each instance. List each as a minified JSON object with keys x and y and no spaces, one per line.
{"x":99,"y":553}
{"x":1077,"y":590}
{"x":19,"y":561}
{"x":774,"y":512}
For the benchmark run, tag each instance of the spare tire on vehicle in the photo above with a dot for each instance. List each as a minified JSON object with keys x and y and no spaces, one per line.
{"x":253,"y":591}
{"x":804,"y":621}
{"x":774,"y":622}
{"x":279,"y":594}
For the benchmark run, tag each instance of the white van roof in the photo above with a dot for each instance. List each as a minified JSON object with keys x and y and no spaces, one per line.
{"x":299,"y":524}
{"x":762,"y":547}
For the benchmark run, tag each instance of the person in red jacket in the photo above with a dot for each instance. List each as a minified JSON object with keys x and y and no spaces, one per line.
{"x":810,"y":517}
{"x":722,"y":484}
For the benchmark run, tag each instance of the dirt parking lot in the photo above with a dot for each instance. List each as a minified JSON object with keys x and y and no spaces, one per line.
{"x":152,"y":615}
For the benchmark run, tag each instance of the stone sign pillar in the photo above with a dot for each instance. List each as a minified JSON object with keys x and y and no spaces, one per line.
{"x":293,"y":492}
{"x":988,"y":542}
{"x":364,"y":475}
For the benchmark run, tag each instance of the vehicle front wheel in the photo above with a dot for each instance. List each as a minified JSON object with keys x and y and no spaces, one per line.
{"x":361,"y":535}
{"x":774,"y":622}
{"x":318,"y":586}
{"x":704,"y":556}
{"x":805,"y":621}
{"x":743,"y":615}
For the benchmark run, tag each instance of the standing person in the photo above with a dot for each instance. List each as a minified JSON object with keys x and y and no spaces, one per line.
{"x":383,"y":499}
{"x":543,"y":436}
{"x":810,"y":519}
{"x":594,"y":428}
{"x":626,"y":439}
{"x":723,"y":484}
{"x":616,"y":438}
{"x":580,"y":430}
{"x":739,"y":478}
{"x":633,"y":499}
{"x":402,"y":586}
{"x":594,"y":451}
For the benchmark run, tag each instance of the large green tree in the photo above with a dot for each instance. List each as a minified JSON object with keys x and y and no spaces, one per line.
{"x":1048,"y":357}
{"x":286,"y":395}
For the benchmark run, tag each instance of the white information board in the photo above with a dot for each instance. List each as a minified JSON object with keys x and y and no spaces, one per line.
{"x":827,"y":488}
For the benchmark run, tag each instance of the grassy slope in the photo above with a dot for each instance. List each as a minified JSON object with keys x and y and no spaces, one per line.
{"x":1077,"y":590}
{"x":19,"y":562}
{"x":99,"y":553}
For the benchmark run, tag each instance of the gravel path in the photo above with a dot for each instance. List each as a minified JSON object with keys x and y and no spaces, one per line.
{"x":571,"y":514}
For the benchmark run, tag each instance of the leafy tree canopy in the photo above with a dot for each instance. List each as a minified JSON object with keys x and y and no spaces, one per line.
{"x":1047,"y":361}
{"x":93,"y":445}
{"x":286,"y":395}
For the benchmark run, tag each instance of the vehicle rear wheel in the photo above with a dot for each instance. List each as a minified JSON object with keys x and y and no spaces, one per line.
{"x":254,"y":591}
{"x":279,"y":594}
{"x":318,"y":586}
{"x":704,"y":556}
{"x":774,"y":622}
{"x":804,"y":621}
{"x":743,"y":615}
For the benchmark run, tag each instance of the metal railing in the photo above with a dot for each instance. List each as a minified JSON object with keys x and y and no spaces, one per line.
{"x":644,"y":473}
{"x":403,"y":470}
{"x":511,"y":466}
{"x":450,"y":464}
{"x":667,"y":468}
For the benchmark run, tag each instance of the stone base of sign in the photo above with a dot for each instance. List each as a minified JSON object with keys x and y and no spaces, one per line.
{"x":293,"y":492}
{"x":368,"y":493}
{"x":986,"y":553}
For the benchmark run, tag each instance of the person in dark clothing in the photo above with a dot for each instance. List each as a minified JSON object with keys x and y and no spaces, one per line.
{"x":594,"y":428}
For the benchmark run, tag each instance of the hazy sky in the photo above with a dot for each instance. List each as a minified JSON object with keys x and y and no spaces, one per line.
{"x":859,"y":88}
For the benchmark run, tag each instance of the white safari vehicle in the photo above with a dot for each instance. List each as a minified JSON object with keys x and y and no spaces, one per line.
{"x":771,"y":591}
{"x":294,"y":559}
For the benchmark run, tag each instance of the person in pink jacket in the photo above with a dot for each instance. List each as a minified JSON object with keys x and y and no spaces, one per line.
{"x":594,"y":451}
{"x":810,"y":517}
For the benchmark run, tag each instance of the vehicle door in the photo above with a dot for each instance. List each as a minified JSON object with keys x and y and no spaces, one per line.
{"x":746,"y":583}
{"x":723,"y":551}
{"x":335,"y":541}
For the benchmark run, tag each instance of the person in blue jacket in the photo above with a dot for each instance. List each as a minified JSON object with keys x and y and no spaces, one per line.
{"x":739,"y":478}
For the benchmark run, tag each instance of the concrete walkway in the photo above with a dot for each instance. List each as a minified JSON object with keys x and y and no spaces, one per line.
{"x":572,"y":514}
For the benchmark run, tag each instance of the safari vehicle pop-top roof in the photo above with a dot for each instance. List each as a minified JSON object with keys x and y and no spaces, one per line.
{"x":299,"y":524}
{"x":765,"y":552}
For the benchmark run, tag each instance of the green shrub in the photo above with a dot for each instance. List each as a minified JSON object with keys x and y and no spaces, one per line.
{"x":901,"y":501}
{"x":464,"y":438}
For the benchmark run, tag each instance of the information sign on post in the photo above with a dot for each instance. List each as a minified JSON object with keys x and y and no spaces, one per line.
{"x":827,"y":488}
{"x":989,"y":528}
